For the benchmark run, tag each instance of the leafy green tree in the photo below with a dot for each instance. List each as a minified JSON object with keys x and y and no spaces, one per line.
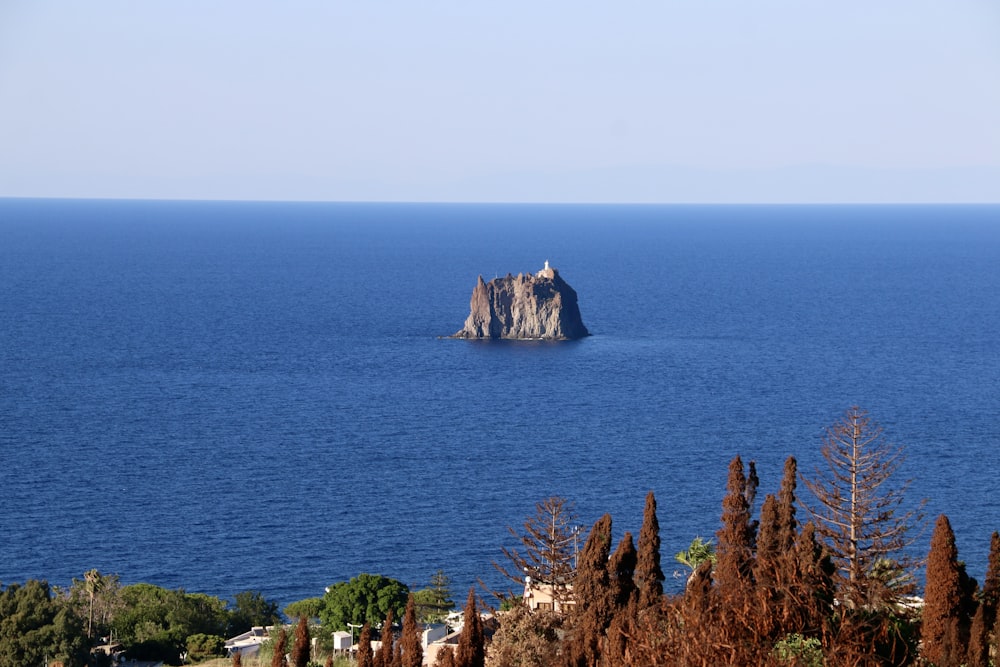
{"x":203,"y":647}
{"x":697,"y":553}
{"x":35,"y":627}
{"x":366,"y":598}
{"x":250,"y":609}
{"x":154,"y":623}
{"x":309,"y":607}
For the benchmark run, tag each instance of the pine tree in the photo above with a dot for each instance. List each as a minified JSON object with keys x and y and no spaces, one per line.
{"x":857,"y":512}
{"x":472,"y":641}
{"x":300,"y":652}
{"x":648,"y":573}
{"x":365,"y":656}
{"x":942,"y":600}
{"x":280,"y":647}
{"x":410,"y":645}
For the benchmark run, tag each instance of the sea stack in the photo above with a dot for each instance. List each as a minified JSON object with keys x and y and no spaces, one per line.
{"x":539,"y":306}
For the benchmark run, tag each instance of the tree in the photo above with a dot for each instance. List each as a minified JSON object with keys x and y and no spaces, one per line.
{"x":203,"y":647}
{"x":384,"y":656}
{"x":736,"y":537}
{"x":367,"y":598}
{"x":525,"y":639}
{"x":593,"y":596}
{"x":942,"y":600}
{"x":697,"y":553}
{"x":471,"y":642}
{"x":280,"y":648}
{"x":434,"y":602}
{"x":622,"y":570}
{"x":301,"y":651}
{"x":548,"y":547}
{"x":648,"y":573}
{"x":410,"y":648}
{"x":858,"y":510}
{"x":250,"y":609}
{"x":96,"y":598}
{"x":365,"y":656}
{"x":308,"y":607}
{"x":35,"y":627}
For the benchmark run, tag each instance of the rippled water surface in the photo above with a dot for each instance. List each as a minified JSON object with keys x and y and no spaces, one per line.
{"x":222,"y":396}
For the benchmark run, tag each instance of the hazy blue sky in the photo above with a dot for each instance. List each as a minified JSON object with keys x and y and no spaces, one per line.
{"x":548,"y":100}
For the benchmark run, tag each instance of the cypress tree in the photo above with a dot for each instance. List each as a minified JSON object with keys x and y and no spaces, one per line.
{"x":979,"y":641}
{"x":385,"y":653}
{"x":365,"y":656}
{"x":942,"y":599}
{"x":410,"y":648}
{"x":593,"y":596}
{"x":769,"y":544}
{"x":472,"y":641}
{"x":300,"y":652}
{"x":786,"y":505}
{"x":280,"y":646}
{"x":445,"y":658}
{"x":329,"y":660}
{"x":991,"y":585}
{"x":237,"y":659}
{"x":734,"y":552}
{"x":621,"y":567}
{"x":648,"y":574}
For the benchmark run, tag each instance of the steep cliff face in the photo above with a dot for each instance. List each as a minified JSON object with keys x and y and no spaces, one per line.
{"x":524,"y":307}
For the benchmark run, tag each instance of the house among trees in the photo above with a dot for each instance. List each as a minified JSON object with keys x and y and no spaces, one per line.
{"x":541,"y":596}
{"x":249,"y":642}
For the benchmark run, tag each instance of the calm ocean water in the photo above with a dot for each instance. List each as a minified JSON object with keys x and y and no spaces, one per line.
{"x":225,"y":396}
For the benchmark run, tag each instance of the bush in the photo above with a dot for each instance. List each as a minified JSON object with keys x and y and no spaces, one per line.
{"x":203,"y":647}
{"x":799,"y":651}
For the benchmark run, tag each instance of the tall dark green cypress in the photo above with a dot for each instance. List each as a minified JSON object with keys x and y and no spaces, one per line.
{"x":648,"y":573}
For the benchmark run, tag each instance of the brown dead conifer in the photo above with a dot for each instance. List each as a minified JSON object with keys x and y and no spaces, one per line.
{"x":410,"y":646}
{"x":237,"y":659}
{"x":621,"y":567}
{"x":648,"y":573}
{"x":942,"y":600}
{"x":472,"y":640}
{"x":593,"y":597}
{"x":445,"y":658}
{"x":365,"y":655}
{"x":280,"y":647}
{"x":385,"y":652}
{"x":301,"y":652}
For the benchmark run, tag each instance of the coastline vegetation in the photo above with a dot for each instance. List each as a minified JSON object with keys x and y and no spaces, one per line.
{"x":826,"y":580}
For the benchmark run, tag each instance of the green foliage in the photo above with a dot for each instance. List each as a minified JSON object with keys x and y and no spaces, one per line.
{"x":434,"y":603}
{"x":309,"y":607}
{"x":364,"y":599}
{"x":35,"y":627}
{"x":202,"y":647}
{"x":154,"y":623}
{"x":800,"y":651}
{"x":251,"y":608}
{"x":696,"y":554}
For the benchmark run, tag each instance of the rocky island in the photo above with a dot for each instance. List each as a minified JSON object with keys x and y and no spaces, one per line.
{"x":540,"y":306}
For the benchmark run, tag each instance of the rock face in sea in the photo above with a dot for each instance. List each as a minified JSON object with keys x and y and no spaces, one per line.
{"x":524,"y":307}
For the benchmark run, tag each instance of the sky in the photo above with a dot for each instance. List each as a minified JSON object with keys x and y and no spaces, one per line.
{"x":692,"y":101}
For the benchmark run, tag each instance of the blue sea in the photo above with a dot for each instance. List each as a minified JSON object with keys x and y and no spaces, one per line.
{"x":231,"y":396}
